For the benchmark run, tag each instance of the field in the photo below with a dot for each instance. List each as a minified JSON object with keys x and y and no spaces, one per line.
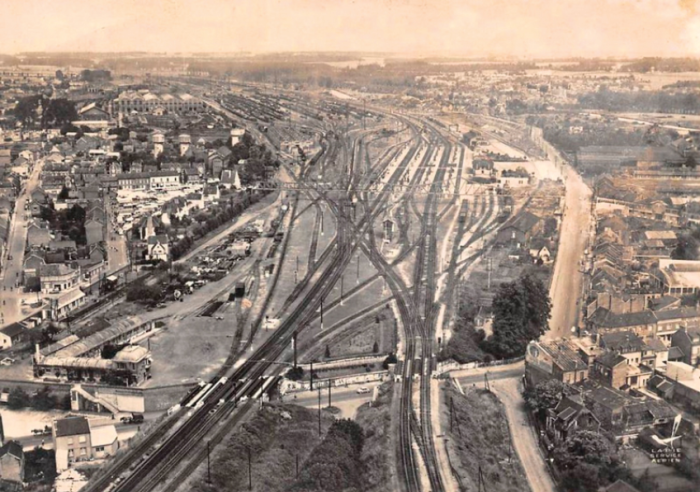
{"x":479,"y":439}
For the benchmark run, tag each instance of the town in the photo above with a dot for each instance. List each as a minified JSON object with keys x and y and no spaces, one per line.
{"x":314,"y":270}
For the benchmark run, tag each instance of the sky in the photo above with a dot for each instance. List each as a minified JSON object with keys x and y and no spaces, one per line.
{"x":521,"y":28}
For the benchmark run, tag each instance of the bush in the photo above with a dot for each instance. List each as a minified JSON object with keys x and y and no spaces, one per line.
{"x":18,"y":398}
{"x":139,"y":292}
{"x":44,"y":400}
{"x":295,"y":373}
{"x":40,"y":466}
{"x":391,"y":359}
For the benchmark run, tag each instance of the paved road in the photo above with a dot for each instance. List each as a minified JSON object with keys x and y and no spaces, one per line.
{"x":10,"y":310}
{"x":567,"y":281}
{"x":117,"y":249}
{"x":523,"y":435}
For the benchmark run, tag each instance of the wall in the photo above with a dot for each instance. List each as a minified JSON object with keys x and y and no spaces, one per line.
{"x":161,"y":398}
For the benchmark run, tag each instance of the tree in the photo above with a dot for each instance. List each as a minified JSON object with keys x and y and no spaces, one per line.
{"x":144,"y":293}
{"x":26,"y":110}
{"x":390,"y":359}
{"x":375,"y":348}
{"x":40,"y":466}
{"x":686,"y":248}
{"x":43,"y":399}
{"x":327,"y":353}
{"x":521,"y":314}
{"x":109,"y":351}
{"x":587,"y":447}
{"x":63,"y":195}
{"x":58,"y":112}
{"x":550,"y":226}
{"x":18,"y":398}
{"x":545,"y":395}
{"x":295,"y":373}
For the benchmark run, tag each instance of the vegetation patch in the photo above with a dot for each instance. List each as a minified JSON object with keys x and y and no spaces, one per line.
{"x":375,"y":419}
{"x":277,"y":437}
{"x":479,"y":439}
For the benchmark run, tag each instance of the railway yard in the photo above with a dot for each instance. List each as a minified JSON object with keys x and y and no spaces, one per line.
{"x":343,"y":278}
{"x":370,"y":234}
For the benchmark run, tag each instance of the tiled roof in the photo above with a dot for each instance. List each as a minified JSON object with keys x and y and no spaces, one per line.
{"x":13,"y":330}
{"x":610,"y":359}
{"x":564,"y":355}
{"x":72,"y":426}
{"x":12,"y":448}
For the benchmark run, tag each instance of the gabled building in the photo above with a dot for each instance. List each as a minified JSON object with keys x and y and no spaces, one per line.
{"x":687,"y":340}
{"x":554,"y":359}
{"x":12,"y":335}
{"x":12,"y":462}
{"x":569,"y":416}
{"x":158,"y":248}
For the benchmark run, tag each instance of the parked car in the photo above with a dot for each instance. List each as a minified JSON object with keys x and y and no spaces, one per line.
{"x":363,"y":390}
{"x":7,"y":361}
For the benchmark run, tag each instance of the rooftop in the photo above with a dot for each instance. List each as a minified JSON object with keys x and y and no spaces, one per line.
{"x":565,"y":355}
{"x":72,"y":426}
{"x":103,"y":436}
{"x":131,"y":353}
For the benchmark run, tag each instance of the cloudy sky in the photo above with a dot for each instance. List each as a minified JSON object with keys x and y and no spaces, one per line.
{"x":538,"y":28}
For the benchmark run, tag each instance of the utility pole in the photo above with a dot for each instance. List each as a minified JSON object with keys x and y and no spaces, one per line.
{"x":452,"y":412}
{"x":322,"y":313}
{"x":208,"y":465}
{"x":294,"y":346}
{"x":488,"y":270}
{"x":250,"y":471}
{"x":342,"y":277}
{"x":321,"y":222}
{"x":319,"y":410}
{"x":329,"y":393}
{"x":311,"y":375}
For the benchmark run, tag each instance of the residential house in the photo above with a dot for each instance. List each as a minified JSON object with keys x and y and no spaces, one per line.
{"x":616,"y":371}
{"x":630,"y":346}
{"x":38,"y":235}
{"x":518,"y":231}
{"x":94,"y":231}
{"x":569,"y":416}
{"x":12,"y":335}
{"x":554,"y":359}
{"x":619,"y":486}
{"x":77,"y":439}
{"x":687,"y":340}
{"x":12,"y":462}
{"x":158,"y":248}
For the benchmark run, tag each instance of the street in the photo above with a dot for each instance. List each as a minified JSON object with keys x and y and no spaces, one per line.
{"x":11,"y":309}
{"x":567,"y":279}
